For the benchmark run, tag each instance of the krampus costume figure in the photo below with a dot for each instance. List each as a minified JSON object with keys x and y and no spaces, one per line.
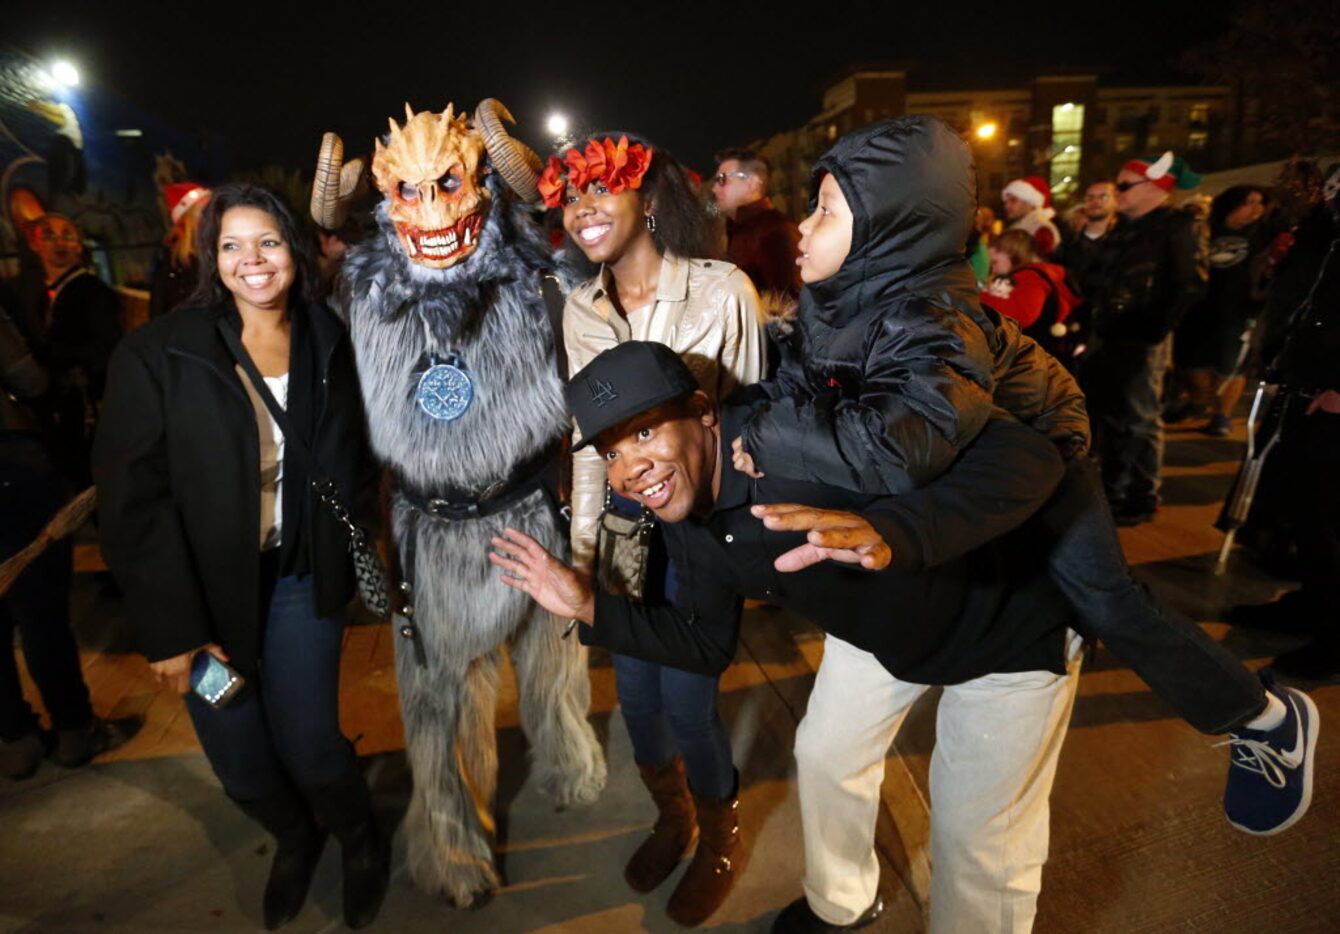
{"x":455,"y":351}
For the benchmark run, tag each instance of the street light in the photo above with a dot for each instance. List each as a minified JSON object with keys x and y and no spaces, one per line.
{"x":557,"y":125}
{"x":64,"y":74}
{"x":987,"y":130}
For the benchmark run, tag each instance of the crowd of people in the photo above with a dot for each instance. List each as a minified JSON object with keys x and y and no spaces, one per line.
{"x":897,"y":403}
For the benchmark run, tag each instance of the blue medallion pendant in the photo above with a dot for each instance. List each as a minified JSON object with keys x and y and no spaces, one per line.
{"x":445,"y":390}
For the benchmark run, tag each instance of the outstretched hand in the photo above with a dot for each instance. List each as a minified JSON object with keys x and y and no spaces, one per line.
{"x":833,"y":535}
{"x":527,"y":566}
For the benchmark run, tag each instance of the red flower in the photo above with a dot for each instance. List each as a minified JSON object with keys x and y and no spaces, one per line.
{"x":624,"y":165}
{"x":552,"y":184}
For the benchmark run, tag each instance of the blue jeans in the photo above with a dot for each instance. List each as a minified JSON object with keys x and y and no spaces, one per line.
{"x":284,"y":729}
{"x":1202,"y":680}
{"x":668,"y":710}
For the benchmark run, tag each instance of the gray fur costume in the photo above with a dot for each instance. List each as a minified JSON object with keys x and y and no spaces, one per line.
{"x":490,"y":311}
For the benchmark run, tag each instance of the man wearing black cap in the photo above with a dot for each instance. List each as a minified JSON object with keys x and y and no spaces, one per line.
{"x":912,"y":590}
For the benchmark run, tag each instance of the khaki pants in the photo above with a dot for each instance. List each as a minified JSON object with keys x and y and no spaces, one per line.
{"x":997,"y":741}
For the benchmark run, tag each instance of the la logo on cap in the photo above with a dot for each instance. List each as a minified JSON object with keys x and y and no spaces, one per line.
{"x":602,"y":391}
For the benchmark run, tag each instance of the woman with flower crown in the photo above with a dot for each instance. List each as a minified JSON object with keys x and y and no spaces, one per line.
{"x":631,"y":209}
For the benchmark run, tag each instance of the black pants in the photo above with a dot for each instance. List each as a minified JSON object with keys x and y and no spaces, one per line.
{"x":1203,"y":681}
{"x":1307,"y":462}
{"x":38,"y":606}
{"x":1123,"y":384}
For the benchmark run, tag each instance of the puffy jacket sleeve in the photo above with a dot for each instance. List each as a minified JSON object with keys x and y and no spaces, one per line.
{"x":588,"y":470}
{"x":1035,"y":388}
{"x":140,"y":529}
{"x":925,"y":392}
{"x":1002,"y":479}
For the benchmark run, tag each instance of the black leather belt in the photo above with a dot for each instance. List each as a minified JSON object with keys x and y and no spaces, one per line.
{"x":453,"y":504}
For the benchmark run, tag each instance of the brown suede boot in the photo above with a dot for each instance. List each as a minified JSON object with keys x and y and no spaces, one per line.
{"x":674,"y":831}
{"x":716,"y":865}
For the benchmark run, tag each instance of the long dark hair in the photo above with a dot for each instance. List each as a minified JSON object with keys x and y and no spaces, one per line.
{"x":1229,"y":200}
{"x":682,"y":223}
{"x":209,"y":289}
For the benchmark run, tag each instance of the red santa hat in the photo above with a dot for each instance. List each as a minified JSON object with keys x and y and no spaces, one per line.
{"x":1031,"y":190}
{"x":181,"y":197}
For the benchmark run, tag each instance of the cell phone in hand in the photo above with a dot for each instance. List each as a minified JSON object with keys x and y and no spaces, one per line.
{"x":214,"y":681}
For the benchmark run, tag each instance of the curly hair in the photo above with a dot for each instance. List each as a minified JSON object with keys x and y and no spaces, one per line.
{"x":683,"y":225}
{"x":209,"y":288}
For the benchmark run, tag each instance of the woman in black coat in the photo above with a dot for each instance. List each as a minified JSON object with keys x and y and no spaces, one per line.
{"x":209,"y":521}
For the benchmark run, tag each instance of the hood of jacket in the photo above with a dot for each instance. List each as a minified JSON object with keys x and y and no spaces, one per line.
{"x":912,"y":188}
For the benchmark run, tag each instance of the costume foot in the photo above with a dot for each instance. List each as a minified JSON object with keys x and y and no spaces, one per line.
{"x":1270,"y":771}
{"x":797,"y":918}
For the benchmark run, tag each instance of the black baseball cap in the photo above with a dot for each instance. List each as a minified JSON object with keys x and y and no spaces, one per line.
{"x":625,"y":381}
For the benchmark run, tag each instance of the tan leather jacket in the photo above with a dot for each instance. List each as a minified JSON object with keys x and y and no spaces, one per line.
{"x":705,"y":310}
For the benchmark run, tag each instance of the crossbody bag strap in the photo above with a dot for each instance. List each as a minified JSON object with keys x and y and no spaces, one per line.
{"x":553,"y":303}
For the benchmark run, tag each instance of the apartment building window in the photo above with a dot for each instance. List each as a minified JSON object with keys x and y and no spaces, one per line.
{"x":1199,"y":114}
{"x":1197,"y":140}
{"x":1067,"y":136}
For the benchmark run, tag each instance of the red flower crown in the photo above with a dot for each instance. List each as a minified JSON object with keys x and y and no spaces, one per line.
{"x":618,"y":166}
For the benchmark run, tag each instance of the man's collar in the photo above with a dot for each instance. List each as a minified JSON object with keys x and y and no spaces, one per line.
{"x":735,"y":486}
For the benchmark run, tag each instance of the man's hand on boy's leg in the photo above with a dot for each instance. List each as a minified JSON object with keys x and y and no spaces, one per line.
{"x":833,"y":535}
{"x":742,"y":461}
{"x":527,"y":566}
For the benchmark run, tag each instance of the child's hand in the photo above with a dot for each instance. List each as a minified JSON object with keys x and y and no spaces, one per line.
{"x":742,"y":461}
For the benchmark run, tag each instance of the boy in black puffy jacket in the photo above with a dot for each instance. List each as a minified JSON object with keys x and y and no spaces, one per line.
{"x":894,"y":369}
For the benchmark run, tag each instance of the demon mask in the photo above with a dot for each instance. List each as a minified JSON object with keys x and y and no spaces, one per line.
{"x":431,"y":172}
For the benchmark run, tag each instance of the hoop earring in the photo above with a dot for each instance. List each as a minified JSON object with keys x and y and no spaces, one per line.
{"x":651,"y":222}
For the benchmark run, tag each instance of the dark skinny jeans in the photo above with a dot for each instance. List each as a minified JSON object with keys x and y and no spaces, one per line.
{"x":1203,"y":681}
{"x":284,"y":730}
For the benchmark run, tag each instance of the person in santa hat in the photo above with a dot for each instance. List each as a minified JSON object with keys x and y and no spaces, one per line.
{"x":1028,"y":207}
{"x":1148,"y":274}
{"x":175,"y":265}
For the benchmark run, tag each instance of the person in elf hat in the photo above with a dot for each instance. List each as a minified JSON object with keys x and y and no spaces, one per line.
{"x":175,"y":266}
{"x":631,"y":208}
{"x":1028,"y":207}
{"x":1149,"y":273}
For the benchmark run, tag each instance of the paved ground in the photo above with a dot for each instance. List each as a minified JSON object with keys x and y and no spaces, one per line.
{"x":143,"y":840}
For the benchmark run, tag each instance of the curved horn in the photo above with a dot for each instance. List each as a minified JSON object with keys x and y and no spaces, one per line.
{"x":334,"y":183}
{"x":516,"y":162}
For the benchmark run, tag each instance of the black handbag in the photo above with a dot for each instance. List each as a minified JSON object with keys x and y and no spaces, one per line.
{"x":373,"y":583}
{"x":623,"y":550}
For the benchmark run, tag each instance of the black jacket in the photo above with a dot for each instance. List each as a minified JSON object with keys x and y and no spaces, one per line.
{"x":893,"y":370}
{"x":959,"y":600}
{"x":1148,"y":274}
{"x":895,"y":365}
{"x":177,"y":464}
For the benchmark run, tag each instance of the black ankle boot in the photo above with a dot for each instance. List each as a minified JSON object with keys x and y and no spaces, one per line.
{"x":345,"y":809}
{"x":298,"y":846}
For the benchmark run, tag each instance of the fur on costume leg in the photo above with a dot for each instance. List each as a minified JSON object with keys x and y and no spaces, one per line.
{"x":555,"y":694}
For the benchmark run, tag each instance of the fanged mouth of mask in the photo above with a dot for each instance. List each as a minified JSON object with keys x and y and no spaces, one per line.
{"x":446,"y":243}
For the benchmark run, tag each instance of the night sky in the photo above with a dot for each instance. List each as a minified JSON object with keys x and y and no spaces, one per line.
{"x":691,"y":76}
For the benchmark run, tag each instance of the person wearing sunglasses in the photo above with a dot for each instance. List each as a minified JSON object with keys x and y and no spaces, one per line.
{"x":1149,"y":273}
{"x":761,"y":240}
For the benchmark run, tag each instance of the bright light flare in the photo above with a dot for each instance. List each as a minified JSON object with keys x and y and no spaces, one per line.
{"x":557,"y":124}
{"x":64,"y":74}
{"x":987,"y":130}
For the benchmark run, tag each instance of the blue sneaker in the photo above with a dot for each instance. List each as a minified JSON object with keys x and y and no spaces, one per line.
{"x":1270,"y":771}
